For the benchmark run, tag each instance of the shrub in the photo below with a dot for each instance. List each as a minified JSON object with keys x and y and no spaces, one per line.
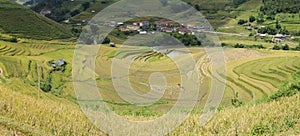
{"x":239,"y":46}
{"x":252,"y":19}
{"x":298,"y":47}
{"x":235,"y":101}
{"x":241,"y":22}
{"x":106,"y":40}
{"x":14,"y":40}
{"x":46,"y":85}
{"x":286,"y":47}
{"x":288,"y":89}
{"x":276,"y":47}
{"x":260,"y":130}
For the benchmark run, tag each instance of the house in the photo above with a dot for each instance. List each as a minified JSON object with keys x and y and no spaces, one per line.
{"x":261,"y":35}
{"x":246,"y":24}
{"x":133,"y":27}
{"x":190,"y":25}
{"x":120,"y":23}
{"x":165,"y":23}
{"x":61,"y":62}
{"x":279,"y":37}
{"x":112,"y":44}
{"x":184,"y":31}
{"x":123,"y":28}
{"x":261,"y":26}
{"x":144,"y":24}
{"x":143,"y":32}
{"x":66,"y":21}
{"x":58,"y":63}
{"x":166,"y":29}
{"x":45,"y":12}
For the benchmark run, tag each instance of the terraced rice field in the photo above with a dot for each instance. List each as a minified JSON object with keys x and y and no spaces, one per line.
{"x":251,"y":73}
{"x":254,"y":78}
{"x":12,"y":50}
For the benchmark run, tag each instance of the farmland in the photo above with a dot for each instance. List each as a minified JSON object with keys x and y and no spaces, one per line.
{"x":261,"y":76}
{"x":252,"y":73}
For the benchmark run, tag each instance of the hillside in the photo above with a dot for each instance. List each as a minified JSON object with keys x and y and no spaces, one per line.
{"x":261,"y":92}
{"x":218,"y":11}
{"x":21,"y":22}
{"x":46,"y":117}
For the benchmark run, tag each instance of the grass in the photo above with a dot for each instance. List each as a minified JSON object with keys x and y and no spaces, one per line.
{"x":14,"y":17}
{"x":252,"y":73}
{"x":259,"y":77}
{"x":48,"y":116}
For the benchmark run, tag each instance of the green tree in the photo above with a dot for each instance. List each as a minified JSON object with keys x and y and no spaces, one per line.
{"x":106,"y":40}
{"x":86,"y":5}
{"x":278,"y":26}
{"x":235,"y":101}
{"x":197,"y":7}
{"x":286,"y":47}
{"x":276,"y":47}
{"x":46,"y":85}
{"x":252,"y":19}
{"x":298,"y":48}
{"x":241,"y":21}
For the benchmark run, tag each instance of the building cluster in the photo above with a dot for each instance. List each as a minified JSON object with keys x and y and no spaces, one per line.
{"x":144,"y":27}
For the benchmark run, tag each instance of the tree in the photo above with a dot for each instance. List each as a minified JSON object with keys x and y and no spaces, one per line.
{"x":164,"y":2}
{"x":75,"y":12}
{"x":278,"y":26}
{"x":252,"y":19}
{"x":14,"y":40}
{"x":276,"y":47}
{"x":242,"y":21}
{"x":286,"y":47}
{"x":46,"y":85}
{"x":106,"y":40}
{"x":260,"y":18}
{"x":298,"y":48}
{"x":197,"y":7}
{"x":86,"y":5}
{"x":235,"y":101}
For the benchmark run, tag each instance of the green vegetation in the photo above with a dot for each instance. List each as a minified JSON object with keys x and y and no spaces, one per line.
{"x":263,"y":79}
{"x":15,"y":17}
{"x":290,"y":88}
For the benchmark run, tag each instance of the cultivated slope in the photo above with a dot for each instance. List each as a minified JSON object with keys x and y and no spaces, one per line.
{"x":17,"y":20}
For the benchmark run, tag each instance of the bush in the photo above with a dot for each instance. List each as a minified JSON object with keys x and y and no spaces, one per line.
{"x":276,"y":47}
{"x":286,"y":47}
{"x":298,"y":48}
{"x":269,"y":30}
{"x":224,"y":44}
{"x":14,"y":40}
{"x":260,"y":130}
{"x":288,"y":89}
{"x":46,"y":85}
{"x":252,"y":19}
{"x":241,"y":22}
{"x":239,"y":46}
{"x":235,"y":101}
{"x":106,"y":40}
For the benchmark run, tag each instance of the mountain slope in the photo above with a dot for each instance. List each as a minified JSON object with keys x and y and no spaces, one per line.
{"x":22,"y":22}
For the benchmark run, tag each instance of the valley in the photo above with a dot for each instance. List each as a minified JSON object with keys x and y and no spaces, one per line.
{"x":261,"y":50}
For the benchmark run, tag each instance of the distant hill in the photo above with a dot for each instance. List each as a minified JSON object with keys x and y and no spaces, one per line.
{"x":22,"y":22}
{"x":217,"y":10}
